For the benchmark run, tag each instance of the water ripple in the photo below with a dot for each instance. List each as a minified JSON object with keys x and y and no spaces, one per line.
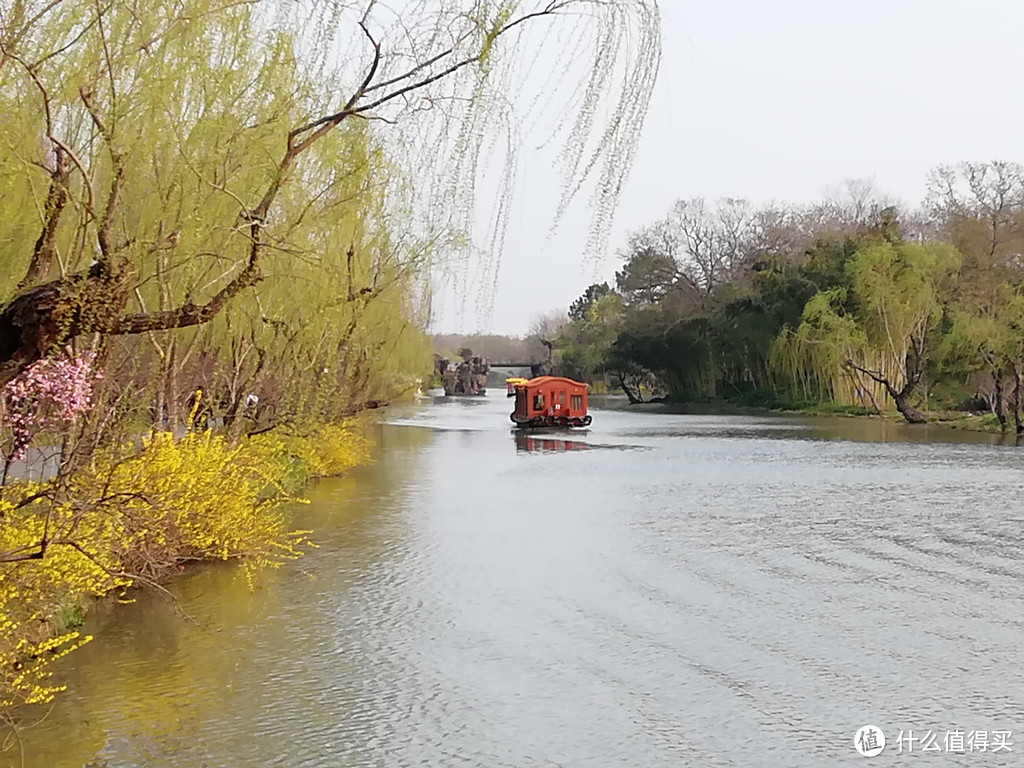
{"x":658,"y":590}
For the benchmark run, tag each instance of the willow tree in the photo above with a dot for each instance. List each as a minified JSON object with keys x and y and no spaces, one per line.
{"x":901,"y":288}
{"x":179,"y":143}
{"x":988,"y":339}
{"x":883,"y":330}
{"x":326,"y":332}
{"x":979,"y":207}
{"x":812,"y":358}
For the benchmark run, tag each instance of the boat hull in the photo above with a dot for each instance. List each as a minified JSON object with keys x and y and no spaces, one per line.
{"x":537,"y":422}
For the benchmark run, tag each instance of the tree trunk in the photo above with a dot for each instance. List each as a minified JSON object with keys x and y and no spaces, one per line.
{"x":1017,"y":386}
{"x":874,"y":403}
{"x":170,"y":385}
{"x":863,"y":390}
{"x":634,"y":397}
{"x":45,"y":318}
{"x":900,"y":397}
{"x":998,"y":400}
{"x":909,"y":412}
{"x":159,"y":408}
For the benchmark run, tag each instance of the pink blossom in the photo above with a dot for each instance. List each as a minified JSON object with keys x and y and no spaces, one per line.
{"x":50,"y":393}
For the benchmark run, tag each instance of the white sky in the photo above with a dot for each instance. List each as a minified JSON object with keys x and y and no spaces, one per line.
{"x":778,"y":100}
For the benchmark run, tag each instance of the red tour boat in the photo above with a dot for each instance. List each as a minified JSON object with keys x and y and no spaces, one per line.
{"x":551,"y":401}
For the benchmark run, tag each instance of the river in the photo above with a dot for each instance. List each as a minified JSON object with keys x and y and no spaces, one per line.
{"x":659,"y":590}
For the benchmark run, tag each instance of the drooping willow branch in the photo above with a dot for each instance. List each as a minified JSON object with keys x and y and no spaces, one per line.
{"x":41,"y":318}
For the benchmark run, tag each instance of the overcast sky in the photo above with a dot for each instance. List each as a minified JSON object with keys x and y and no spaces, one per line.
{"x":779,"y":100}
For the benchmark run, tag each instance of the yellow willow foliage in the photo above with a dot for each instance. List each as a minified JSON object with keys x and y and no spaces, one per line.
{"x":125,"y":519}
{"x":810,"y":359}
{"x":897,"y":292}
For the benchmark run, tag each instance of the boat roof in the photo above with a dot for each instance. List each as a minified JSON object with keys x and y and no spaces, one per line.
{"x":542,"y":380}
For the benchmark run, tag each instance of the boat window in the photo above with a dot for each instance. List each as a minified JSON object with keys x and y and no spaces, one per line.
{"x":577,"y":402}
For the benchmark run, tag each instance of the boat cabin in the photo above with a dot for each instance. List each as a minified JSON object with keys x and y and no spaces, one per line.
{"x":551,"y":401}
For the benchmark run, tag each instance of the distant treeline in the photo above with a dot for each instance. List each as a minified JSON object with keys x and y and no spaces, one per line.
{"x":854,"y":302}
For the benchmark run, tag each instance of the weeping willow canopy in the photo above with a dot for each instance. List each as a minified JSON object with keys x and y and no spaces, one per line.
{"x":192,"y":149}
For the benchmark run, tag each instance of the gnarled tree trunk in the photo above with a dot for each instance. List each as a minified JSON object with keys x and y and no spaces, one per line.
{"x":633,"y":395}
{"x":913,"y":366}
{"x":902,"y":400}
{"x":41,"y":320}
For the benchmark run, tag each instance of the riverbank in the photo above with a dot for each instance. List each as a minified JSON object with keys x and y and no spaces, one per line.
{"x":973,"y":421}
{"x":965,"y":420}
{"x":136,"y":517}
{"x":962,"y":420}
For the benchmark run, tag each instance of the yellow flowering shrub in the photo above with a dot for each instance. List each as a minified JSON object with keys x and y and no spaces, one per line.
{"x":324,"y":451}
{"x":196,"y":498}
{"x":32,"y":590}
{"x":199,"y":497}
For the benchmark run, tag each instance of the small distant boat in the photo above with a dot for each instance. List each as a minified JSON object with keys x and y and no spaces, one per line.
{"x":551,"y":401}
{"x":512,"y":383}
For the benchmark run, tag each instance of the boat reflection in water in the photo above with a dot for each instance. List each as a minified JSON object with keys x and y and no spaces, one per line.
{"x":534,"y":443}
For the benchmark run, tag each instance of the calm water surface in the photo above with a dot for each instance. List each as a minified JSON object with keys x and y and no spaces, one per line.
{"x":661,"y":590}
